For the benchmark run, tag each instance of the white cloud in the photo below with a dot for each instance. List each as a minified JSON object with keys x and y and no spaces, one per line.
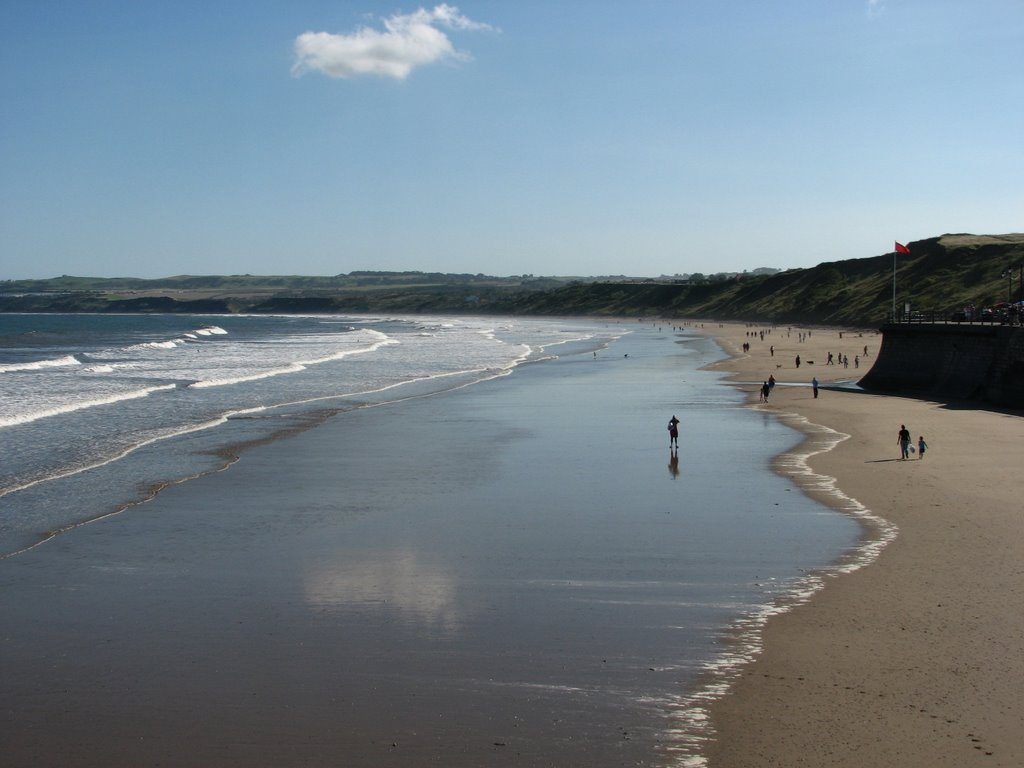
{"x":408,"y":41}
{"x":875,"y":8}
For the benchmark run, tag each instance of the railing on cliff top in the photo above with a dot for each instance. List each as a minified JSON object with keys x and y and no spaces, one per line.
{"x":984,"y":317}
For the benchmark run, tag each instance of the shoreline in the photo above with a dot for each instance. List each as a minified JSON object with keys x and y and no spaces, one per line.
{"x":872,"y":668}
{"x":312,"y":568}
{"x":386,"y":587}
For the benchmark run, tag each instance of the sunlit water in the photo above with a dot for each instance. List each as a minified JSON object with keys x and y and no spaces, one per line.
{"x":98,"y":413}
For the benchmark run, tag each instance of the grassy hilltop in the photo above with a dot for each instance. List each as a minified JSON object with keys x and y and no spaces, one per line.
{"x":941,"y":274}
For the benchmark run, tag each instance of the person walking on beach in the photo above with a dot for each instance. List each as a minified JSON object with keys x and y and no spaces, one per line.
{"x":814,"y":386}
{"x":922,"y":446}
{"x":798,"y":361}
{"x":903,"y":438}
{"x":673,"y":431}
{"x":765,"y":391}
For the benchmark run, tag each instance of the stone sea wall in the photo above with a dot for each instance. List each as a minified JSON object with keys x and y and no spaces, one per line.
{"x":951,"y":362}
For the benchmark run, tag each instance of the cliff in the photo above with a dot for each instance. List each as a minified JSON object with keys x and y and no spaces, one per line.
{"x":940,"y":275}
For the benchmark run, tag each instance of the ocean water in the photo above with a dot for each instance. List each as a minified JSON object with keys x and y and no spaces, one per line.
{"x":650,"y":561}
{"x":99,"y":411}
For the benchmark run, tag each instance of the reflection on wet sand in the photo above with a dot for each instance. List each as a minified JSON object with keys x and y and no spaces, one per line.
{"x":424,"y":593}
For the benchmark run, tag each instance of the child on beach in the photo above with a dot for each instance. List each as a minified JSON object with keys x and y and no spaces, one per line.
{"x":922,"y":446}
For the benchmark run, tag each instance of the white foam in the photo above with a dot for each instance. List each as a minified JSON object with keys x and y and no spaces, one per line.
{"x":295,"y":367}
{"x":59,"y":410}
{"x":38,"y":365}
{"x":117,"y":457}
{"x":267,"y":374}
{"x":156,"y":345}
{"x":746,"y":640}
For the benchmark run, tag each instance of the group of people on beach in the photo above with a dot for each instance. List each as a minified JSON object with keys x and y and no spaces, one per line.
{"x":904,"y":440}
{"x":844,"y":360}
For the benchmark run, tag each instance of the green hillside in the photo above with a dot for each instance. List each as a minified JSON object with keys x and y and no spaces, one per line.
{"x":940,"y":275}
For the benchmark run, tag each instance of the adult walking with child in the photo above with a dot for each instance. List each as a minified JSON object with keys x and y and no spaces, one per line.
{"x":903,"y":438}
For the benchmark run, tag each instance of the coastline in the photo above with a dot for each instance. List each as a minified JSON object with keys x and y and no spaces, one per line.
{"x":279,"y":566}
{"x":514,"y":574}
{"x":912,"y":660}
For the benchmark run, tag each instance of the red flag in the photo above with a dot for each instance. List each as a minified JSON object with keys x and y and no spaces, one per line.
{"x":901,"y":248}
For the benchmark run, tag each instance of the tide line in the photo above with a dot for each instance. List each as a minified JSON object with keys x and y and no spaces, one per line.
{"x":117,"y":457}
{"x":746,"y":641}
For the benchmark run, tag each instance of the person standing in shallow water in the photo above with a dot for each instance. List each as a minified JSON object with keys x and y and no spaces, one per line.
{"x":903,"y":438}
{"x":673,"y":432}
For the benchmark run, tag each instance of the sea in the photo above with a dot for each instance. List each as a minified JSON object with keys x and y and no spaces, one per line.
{"x":99,"y":413}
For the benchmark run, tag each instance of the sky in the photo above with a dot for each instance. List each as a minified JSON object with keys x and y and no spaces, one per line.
{"x":505,"y":137}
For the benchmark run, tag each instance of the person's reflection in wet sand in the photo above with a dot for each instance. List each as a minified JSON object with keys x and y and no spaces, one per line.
{"x":673,"y":462}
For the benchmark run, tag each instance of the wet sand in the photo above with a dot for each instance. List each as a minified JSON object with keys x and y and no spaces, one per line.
{"x":337,"y":599}
{"x":916,"y":659}
{"x":501,"y":575}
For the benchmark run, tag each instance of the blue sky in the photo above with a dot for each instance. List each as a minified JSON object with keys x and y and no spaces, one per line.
{"x":506,"y":137}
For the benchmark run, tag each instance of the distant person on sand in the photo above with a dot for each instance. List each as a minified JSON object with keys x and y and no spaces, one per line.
{"x":814,"y":386}
{"x":673,"y":431}
{"x":765,"y":391}
{"x":922,"y":446}
{"x":798,"y":361}
{"x":903,"y":438}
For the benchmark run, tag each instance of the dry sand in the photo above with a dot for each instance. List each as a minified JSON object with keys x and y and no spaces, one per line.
{"x":918,"y":658}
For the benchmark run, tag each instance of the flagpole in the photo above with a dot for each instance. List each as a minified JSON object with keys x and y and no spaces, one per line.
{"x":900,"y":248}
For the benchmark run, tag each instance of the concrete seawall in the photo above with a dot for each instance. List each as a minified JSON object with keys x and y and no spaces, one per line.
{"x":951,"y":362}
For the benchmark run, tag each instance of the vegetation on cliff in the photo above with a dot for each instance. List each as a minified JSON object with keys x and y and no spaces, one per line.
{"x":941,"y":275}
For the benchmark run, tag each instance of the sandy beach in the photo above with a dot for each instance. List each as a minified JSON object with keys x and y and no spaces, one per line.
{"x":519,"y":572}
{"x":507,"y":575}
{"x":916,"y":659}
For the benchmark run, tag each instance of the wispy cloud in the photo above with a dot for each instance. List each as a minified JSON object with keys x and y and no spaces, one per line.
{"x":408,"y":40}
{"x":875,"y":8}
